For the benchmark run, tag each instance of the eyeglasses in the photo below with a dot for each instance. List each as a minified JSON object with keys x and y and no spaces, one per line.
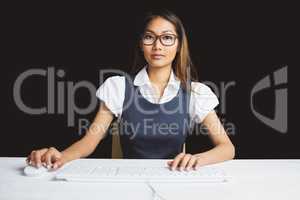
{"x":165,"y":39}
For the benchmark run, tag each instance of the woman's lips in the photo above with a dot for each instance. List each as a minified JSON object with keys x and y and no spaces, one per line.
{"x":157,"y":56}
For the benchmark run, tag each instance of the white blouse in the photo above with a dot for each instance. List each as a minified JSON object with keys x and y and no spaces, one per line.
{"x":112,"y":93}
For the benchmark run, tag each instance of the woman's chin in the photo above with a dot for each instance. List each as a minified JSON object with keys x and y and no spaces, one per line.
{"x":158,"y":64}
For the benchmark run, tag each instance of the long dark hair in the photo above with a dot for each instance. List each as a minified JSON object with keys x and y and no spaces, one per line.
{"x":182,"y":64}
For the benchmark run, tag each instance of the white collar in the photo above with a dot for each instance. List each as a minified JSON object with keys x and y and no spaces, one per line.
{"x":142,"y":78}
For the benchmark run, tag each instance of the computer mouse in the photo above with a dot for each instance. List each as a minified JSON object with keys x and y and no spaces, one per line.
{"x":33,"y":171}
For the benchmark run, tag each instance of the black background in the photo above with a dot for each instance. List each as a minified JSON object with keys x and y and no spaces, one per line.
{"x":239,"y":42}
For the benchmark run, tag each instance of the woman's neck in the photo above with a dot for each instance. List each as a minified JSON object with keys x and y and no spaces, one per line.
{"x":159,"y":75}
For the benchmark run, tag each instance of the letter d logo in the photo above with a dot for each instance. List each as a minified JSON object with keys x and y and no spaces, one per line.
{"x":280,"y":120}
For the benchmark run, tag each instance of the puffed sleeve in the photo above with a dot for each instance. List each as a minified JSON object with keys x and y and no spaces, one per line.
{"x":112,"y":93}
{"x":203,"y":101}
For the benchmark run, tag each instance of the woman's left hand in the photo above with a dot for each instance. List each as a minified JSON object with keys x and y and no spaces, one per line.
{"x":185,"y":162}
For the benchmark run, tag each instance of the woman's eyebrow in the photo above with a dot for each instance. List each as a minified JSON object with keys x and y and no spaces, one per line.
{"x":148,"y":30}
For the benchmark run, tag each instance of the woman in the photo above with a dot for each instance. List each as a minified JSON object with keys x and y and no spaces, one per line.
{"x":151,"y":99}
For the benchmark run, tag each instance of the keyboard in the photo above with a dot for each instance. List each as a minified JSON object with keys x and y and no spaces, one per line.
{"x":99,"y":172}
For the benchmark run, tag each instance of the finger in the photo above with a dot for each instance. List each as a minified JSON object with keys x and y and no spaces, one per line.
{"x":31,"y":161}
{"x":191,"y":163}
{"x":177,"y":161}
{"x":55,"y":155}
{"x":58,"y":163}
{"x":44,"y":164}
{"x":184,"y":161}
{"x":43,"y":159}
{"x":170,"y":162}
{"x":198,"y":164}
{"x":37,"y":159}
{"x":56,"y":158}
{"x":48,"y":158}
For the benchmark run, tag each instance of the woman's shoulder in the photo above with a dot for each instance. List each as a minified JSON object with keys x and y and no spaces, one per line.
{"x":114,"y":82}
{"x":111,"y":91}
{"x":203,"y":100}
{"x":200,"y":88}
{"x":114,"y":79}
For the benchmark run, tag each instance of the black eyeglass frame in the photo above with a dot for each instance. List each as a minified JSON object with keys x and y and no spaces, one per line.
{"x":159,"y":37}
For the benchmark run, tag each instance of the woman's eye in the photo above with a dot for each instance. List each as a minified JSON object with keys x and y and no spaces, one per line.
{"x":168,"y":37}
{"x":148,"y":37}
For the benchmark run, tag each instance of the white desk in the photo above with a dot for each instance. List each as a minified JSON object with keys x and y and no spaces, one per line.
{"x":253,"y":179}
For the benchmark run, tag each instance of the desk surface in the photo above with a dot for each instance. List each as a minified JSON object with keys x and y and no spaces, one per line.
{"x":252,"y":179}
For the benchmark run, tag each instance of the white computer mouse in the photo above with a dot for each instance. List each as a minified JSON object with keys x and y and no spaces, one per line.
{"x":33,"y":171}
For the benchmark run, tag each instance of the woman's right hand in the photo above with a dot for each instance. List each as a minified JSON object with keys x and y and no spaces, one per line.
{"x":48,"y":157}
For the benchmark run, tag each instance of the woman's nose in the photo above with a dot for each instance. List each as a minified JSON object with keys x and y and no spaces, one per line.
{"x":157,"y":44}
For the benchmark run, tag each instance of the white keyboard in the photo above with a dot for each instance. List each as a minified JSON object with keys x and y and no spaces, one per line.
{"x":98,"y":172}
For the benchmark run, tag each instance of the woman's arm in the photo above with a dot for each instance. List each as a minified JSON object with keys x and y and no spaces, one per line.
{"x":51,"y":157}
{"x":223,"y":150}
{"x":85,"y":146}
